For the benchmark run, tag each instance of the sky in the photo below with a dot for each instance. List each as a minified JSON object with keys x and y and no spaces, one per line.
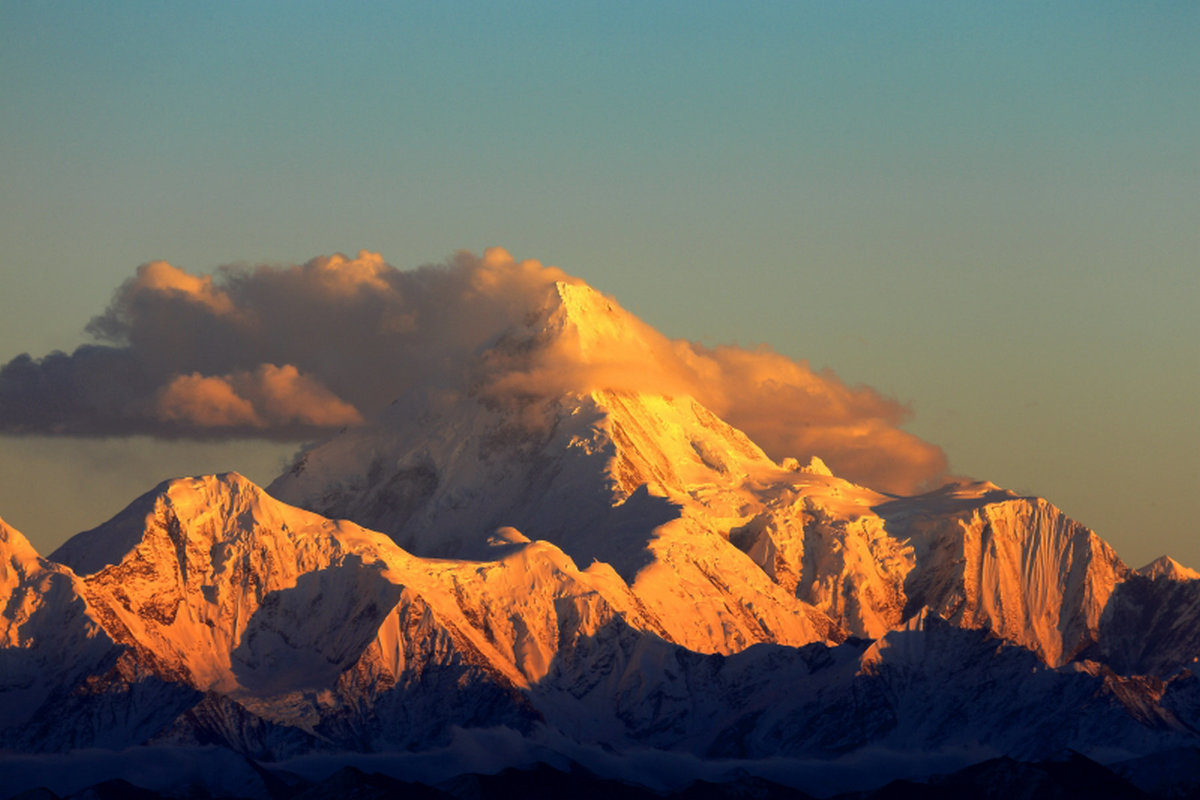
{"x":986,"y":213}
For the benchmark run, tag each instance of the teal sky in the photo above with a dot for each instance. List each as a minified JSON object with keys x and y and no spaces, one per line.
{"x":989,"y":211}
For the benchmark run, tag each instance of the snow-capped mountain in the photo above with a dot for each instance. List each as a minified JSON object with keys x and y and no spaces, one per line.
{"x":1169,"y":568}
{"x":601,"y":572}
{"x":233,"y":618}
{"x":684,"y":506}
{"x":49,"y":640}
{"x":279,"y":619}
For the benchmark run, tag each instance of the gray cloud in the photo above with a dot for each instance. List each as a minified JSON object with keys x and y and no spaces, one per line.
{"x":276,"y":352}
{"x":293,"y":352}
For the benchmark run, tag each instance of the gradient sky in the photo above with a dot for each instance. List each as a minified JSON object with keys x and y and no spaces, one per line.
{"x":989,"y":211}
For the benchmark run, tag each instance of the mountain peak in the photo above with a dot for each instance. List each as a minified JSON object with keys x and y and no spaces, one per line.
{"x":579,"y":341}
{"x":1167,"y":567}
{"x":224,"y":496}
{"x":14,"y":545}
{"x":17,"y":558}
{"x":597,"y":325}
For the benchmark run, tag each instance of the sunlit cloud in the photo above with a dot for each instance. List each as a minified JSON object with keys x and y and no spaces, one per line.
{"x":289,"y":352}
{"x":207,"y":402}
{"x":786,"y":407}
{"x":269,"y":396}
{"x":791,"y":410}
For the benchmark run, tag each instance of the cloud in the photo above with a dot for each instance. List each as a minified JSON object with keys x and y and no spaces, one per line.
{"x":791,"y":410}
{"x":207,"y":402}
{"x":786,"y":407}
{"x":269,"y":396}
{"x":291,"y":352}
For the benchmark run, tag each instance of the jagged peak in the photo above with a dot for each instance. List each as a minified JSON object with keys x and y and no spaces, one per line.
{"x":14,"y":543}
{"x":578,"y":298}
{"x":225,"y":496}
{"x":232,"y":485}
{"x":1166,"y":567}
{"x":17,"y":556}
{"x":575,"y":341}
{"x":596,"y":323}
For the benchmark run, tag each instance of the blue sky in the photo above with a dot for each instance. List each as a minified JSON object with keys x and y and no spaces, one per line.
{"x":988,"y":211}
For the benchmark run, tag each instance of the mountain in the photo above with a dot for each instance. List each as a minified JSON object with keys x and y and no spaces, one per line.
{"x":1169,"y":568}
{"x":587,"y":573}
{"x":50,"y":640}
{"x":728,"y":547}
{"x":298,"y":632}
{"x":630,"y":479}
{"x":237,"y":620}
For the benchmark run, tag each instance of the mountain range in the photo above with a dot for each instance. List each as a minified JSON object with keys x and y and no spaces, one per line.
{"x":590,"y":576}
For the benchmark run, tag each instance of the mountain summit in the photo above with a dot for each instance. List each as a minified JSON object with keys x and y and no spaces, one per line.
{"x":1167,"y":567}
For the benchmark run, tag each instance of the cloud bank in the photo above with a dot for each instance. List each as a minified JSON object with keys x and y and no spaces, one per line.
{"x":294,"y":352}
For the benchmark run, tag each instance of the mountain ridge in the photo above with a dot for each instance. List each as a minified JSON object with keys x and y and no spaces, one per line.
{"x":537,"y":644}
{"x":588,"y":566}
